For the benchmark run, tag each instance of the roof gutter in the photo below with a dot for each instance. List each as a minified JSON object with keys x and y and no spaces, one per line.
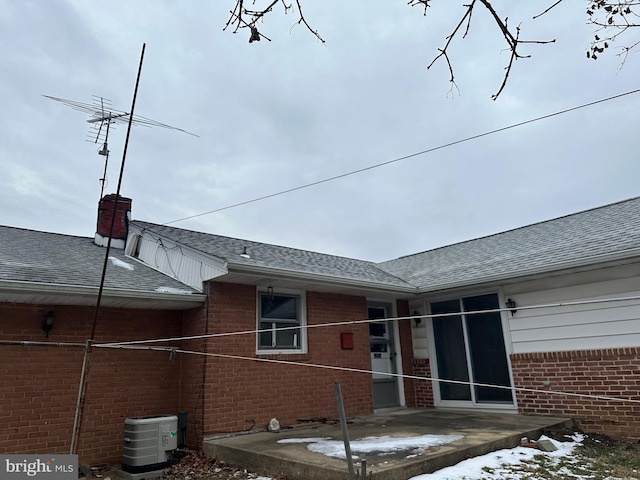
{"x":595,"y":262}
{"x":18,"y":287}
{"x":317,"y":278}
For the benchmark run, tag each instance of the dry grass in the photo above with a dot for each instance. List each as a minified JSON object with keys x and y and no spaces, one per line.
{"x":598,"y":458}
{"x":610,"y":459}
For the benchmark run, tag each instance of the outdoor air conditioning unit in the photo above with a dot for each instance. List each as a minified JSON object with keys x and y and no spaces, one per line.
{"x":149,"y":442}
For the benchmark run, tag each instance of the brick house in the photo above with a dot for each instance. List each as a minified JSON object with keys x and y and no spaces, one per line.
{"x":573,"y":326}
{"x":469,"y":312}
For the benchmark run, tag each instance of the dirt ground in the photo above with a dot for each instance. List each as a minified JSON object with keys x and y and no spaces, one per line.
{"x":193,"y":466}
{"x":197,"y":466}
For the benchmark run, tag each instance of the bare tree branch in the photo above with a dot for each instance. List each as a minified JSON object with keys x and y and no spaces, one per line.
{"x":548,"y":9}
{"x":243,"y":17}
{"x":513,"y":40}
{"x":424,"y":3}
{"x":303,"y":20}
{"x":443,"y":51}
{"x":611,"y":18}
{"x":513,"y":57}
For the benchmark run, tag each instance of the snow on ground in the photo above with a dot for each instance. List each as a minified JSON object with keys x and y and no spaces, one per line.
{"x":500,"y":464}
{"x":119,"y":263}
{"x":385,"y":444}
{"x":492,"y":466}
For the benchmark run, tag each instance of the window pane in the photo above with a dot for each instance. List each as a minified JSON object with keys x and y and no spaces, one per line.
{"x":487,"y":350}
{"x":278,"y":306}
{"x":284,"y":334}
{"x":265,"y":339}
{"x":377,"y":330}
{"x":450,"y":351}
{"x":481,"y":302}
{"x":287,"y":338}
{"x":379,"y":347}
{"x":376,"y":312}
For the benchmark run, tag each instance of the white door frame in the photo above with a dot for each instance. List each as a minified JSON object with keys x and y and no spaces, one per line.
{"x":394,"y":336}
{"x":433,"y":360}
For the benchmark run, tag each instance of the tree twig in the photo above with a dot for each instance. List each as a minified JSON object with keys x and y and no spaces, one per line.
{"x":548,"y":9}
{"x":513,"y":40}
{"x":242,"y":17}
{"x":514,"y":56}
{"x":304,"y":21}
{"x":443,"y":51}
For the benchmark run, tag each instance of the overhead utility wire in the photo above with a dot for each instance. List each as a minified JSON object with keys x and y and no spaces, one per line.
{"x":406,"y":157}
{"x":369,"y":320}
{"x":173,"y":351}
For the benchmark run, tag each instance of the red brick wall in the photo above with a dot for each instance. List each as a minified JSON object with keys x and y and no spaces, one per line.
{"x":241,"y":392}
{"x":39,"y":384}
{"x":193,"y":368}
{"x":406,"y":344}
{"x":105,"y":216}
{"x":423,"y":388}
{"x":611,"y":372}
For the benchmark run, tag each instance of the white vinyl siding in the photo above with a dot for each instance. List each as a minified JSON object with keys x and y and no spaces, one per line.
{"x":577,"y":327}
{"x":419,"y":336}
{"x":175,"y":261}
{"x":420,"y":340}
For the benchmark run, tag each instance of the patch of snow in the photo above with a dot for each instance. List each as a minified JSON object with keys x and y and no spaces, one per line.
{"x":119,"y":263}
{"x":177,"y":291}
{"x":495,"y":465}
{"x":386,"y":445}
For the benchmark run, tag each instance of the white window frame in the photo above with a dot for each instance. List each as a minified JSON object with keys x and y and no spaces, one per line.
{"x":302,"y":321}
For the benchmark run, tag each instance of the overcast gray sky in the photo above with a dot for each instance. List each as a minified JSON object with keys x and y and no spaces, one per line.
{"x":276,"y":115}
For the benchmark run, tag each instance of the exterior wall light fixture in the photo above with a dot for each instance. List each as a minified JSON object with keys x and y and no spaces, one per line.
{"x":47,"y":323}
{"x":511,"y":305}
{"x":418,"y":320}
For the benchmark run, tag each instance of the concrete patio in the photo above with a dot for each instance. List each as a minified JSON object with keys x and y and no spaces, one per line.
{"x":482,"y":433}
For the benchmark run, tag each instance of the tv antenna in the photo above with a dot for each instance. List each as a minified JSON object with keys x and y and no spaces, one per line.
{"x":103,"y":115}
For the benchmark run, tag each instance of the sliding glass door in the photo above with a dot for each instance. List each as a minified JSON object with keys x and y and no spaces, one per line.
{"x":470,"y":349}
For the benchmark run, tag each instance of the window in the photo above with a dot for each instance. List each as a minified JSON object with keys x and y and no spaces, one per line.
{"x":280,"y":318}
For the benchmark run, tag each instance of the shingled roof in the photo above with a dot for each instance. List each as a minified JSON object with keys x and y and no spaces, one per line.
{"x":34,"y":257}
{"x":611,"y":232}
{"x":277,"y":257}
{"x":588,"y":237}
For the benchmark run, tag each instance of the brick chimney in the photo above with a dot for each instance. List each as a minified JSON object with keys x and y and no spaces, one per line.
{"x":120,"y":226}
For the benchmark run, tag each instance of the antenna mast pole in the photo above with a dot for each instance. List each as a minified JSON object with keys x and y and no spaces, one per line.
{"x":105,"y":152}
{"x":86,"y":363}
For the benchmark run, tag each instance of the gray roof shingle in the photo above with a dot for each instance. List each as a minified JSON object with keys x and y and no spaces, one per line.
{"x":580,"y":237}
{"x":276,"y":257}
{"x":40,"y":257}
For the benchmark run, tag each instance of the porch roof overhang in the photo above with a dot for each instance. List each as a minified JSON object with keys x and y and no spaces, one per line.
{"x":260,"y":275}
{"x":58,"y":294}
